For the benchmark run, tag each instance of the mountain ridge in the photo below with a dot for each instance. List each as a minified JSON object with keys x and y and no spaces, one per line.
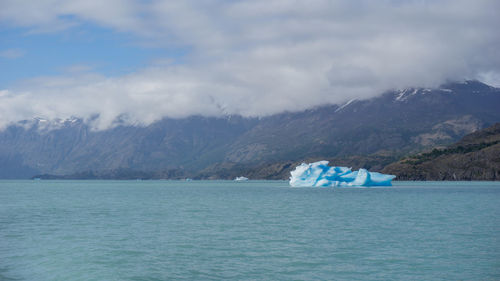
{"x":393,"y":124}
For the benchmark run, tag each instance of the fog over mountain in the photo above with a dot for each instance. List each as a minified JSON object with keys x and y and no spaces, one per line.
{"x":360,"y":133}
{"x":219,"y":58}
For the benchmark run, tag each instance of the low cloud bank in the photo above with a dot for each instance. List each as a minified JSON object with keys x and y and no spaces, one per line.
{"x":256,"y":58}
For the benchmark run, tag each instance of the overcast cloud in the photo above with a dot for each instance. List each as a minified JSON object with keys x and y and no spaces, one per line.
{"x":257,"y":57}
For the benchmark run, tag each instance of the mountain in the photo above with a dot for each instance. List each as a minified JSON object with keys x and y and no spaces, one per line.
{"x":397,"y":121}
{"x":475,"y":157}
{"x":382,"y":129}
{"x":71,"y":146}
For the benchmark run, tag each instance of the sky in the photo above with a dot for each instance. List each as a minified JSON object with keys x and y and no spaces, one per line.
{"x":138,"y":61}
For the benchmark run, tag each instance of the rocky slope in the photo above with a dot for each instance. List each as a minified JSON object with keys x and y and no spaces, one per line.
{"x":475,"y":157}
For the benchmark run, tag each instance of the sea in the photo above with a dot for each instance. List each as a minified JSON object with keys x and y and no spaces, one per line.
{"x":252,"y":230}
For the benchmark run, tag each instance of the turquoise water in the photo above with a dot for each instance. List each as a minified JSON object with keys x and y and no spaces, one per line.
{"x":256,"y":230}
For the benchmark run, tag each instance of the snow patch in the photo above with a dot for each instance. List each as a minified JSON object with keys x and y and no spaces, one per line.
{"x":446,"y":90}
{"x":345,"y":105}
{"x":406,"y":93}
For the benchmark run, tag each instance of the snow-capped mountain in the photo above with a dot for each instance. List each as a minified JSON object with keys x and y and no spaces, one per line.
{"x":395,"y":123}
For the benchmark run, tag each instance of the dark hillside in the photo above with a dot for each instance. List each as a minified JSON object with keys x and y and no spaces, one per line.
{"x":475,"y":157}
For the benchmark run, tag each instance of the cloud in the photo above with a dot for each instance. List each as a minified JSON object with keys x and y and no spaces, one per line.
{"x":77,"y":68}
{"x":491,"y":78}
{"x":12,"y":53}
{"x":257,"y":57}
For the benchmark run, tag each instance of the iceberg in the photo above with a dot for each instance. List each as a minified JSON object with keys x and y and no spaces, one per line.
{"x":319,"y":174}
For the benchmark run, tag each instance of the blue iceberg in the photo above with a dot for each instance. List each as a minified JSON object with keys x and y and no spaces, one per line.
{"x":319,"y":174}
